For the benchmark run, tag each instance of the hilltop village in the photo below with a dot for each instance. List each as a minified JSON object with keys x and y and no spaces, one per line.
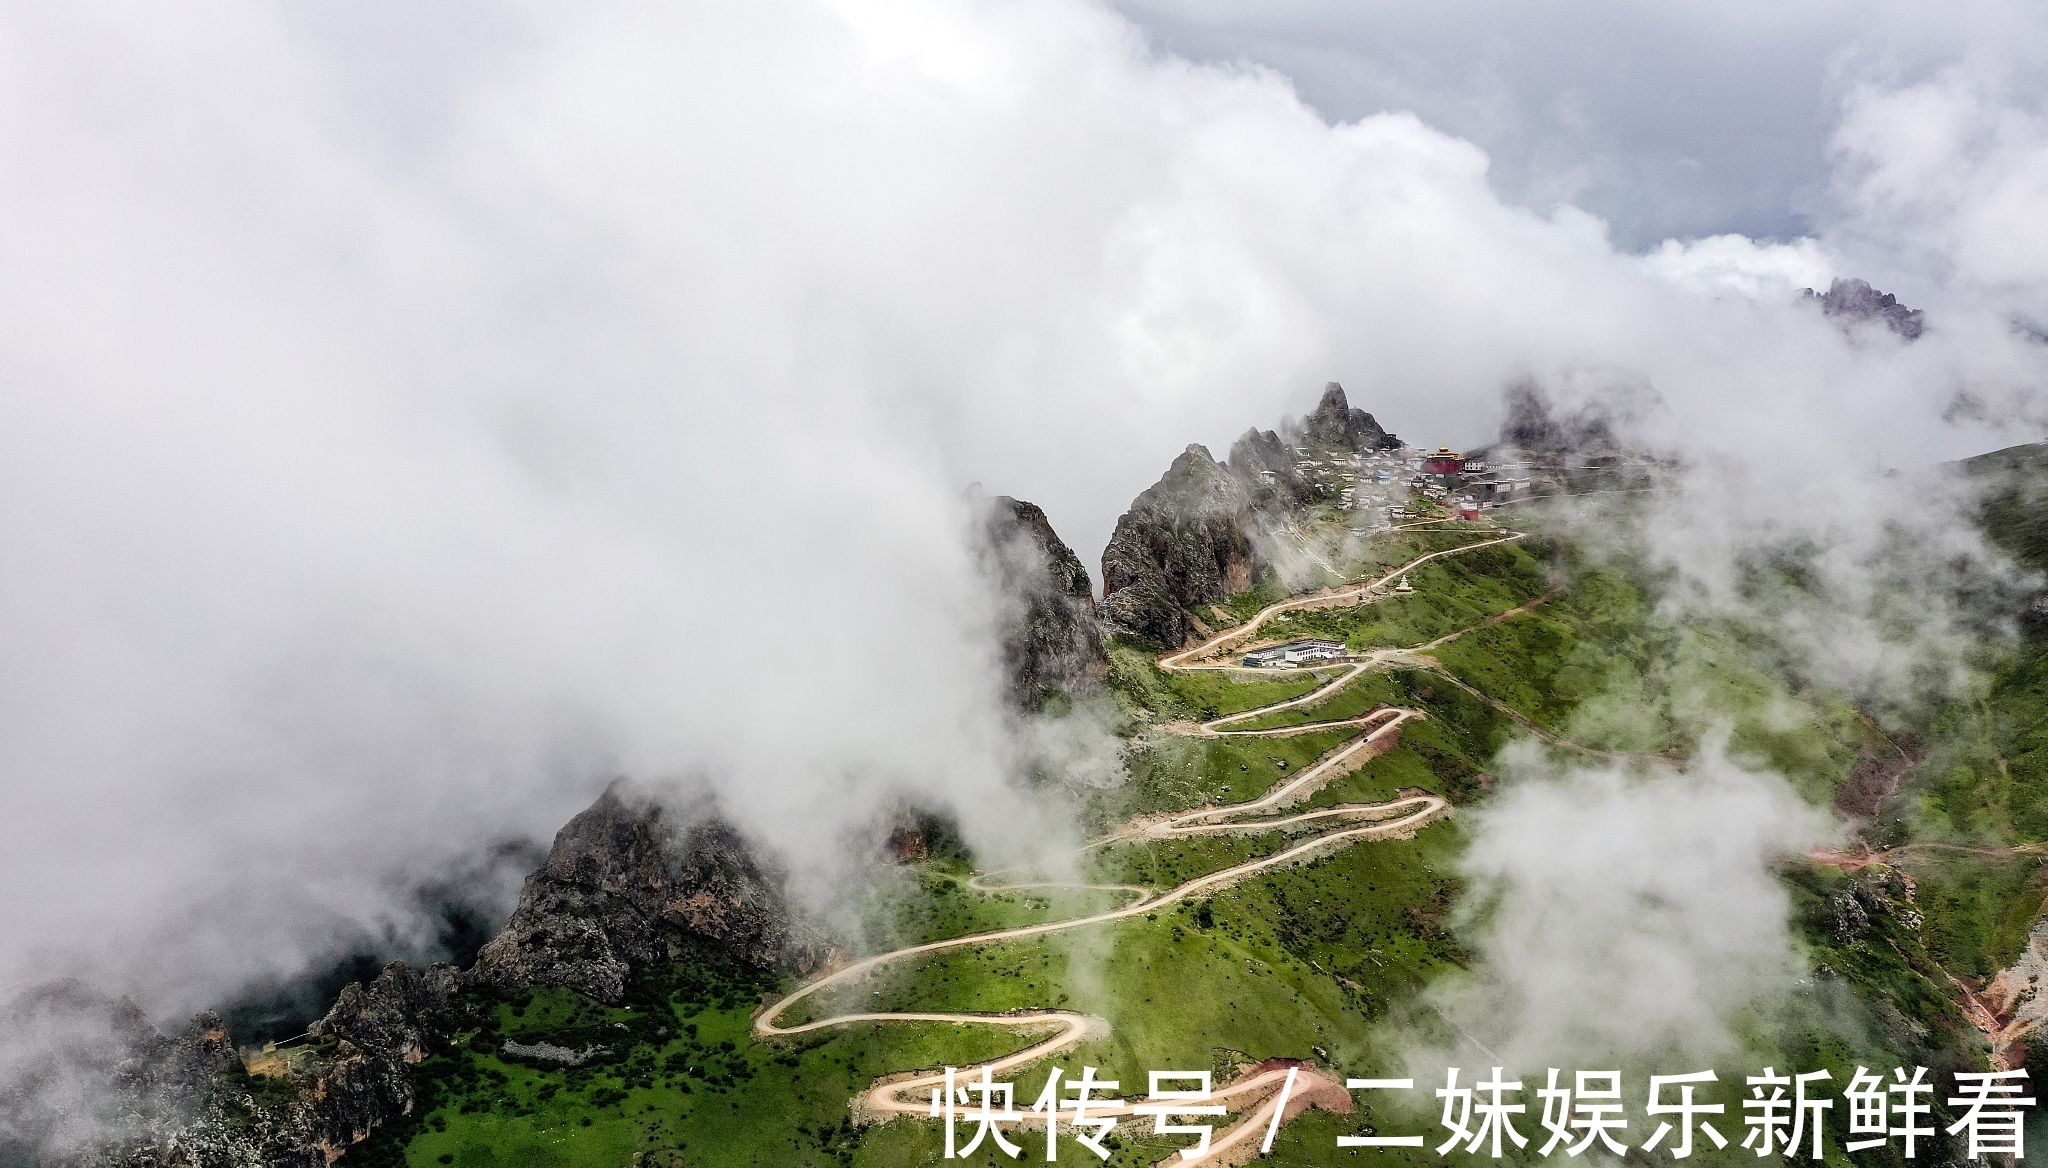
{"x":1392,"y":485}
{"x":1388,"y":488}
{"x":1286,"y":506}
{"x":1287,"y":513}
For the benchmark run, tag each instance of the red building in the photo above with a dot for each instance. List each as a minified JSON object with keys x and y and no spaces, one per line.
{"x":1443,"y":462}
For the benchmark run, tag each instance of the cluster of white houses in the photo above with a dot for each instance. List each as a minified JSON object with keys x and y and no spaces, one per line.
{"x":1361,"y":477}
{"x":1293,"y":654}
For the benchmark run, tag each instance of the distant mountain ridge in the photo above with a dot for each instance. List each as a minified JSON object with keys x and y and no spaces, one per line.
{"x":1855,"y":300}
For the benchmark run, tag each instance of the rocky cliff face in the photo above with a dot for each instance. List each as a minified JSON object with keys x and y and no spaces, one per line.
{"x":87,"y":1078}
{"x":1336,"y":423}
{"x":1265,"y":465}
{"x":377,"y":1032}
{"x":113,"y":1091}
{"x":1186,"y":540}
{"x":1052,"y":641}
{"x":625,"y":879}
{"x":1201,"y":533}
{"x":1854,"y":300}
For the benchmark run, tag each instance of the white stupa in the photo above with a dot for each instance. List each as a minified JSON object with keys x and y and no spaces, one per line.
{"x":1403,"y":587}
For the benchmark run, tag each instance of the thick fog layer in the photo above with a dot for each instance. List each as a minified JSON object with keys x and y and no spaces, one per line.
{"x":415,"y":421}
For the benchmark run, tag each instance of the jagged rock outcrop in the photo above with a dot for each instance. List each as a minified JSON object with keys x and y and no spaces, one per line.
{"x":110,"y":1091}
{"x":1855,"y":300}
{"x":401,"y":1014}
{"x":911,"y":831}
{"x":1052,"y":641}
{"x":627,"y":878}
{"x":1186,"y":540}
{"x":906,"y":843}
{"x":1265,"y":464}
{"x":1201,"y":533}
{"x":379,"y":1030}
{"x":1336,"y":423}
{"x":87,"y":1078}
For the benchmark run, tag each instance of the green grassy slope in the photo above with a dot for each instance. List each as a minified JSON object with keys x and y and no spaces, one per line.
{"x":1319,"y":955}
{"x":1981,"y":787}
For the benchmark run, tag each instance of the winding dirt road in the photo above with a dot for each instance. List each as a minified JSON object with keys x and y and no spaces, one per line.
{"x":1190,"y":659}
{"x":1256,"y":1096}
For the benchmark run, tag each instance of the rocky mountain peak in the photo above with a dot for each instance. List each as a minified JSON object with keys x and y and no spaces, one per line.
{"x":1186,"y":540}
{"x":1199,"y":534}
{"x":1265,"y":464}
{"x":1855,"y":300}
{"x":106,"y":1077}
{"x":1335,"y":423}
{"x":1195,"y":483}
{"x":1534,"y":424}
{"x":1052,"y":641}
{"x":627,"y":877}
{"x":155,"y":1100}
{"x":1009,"y":520}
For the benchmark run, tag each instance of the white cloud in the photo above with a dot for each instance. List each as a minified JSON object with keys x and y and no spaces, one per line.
{"x":381,"y":475}
{"x":1738,"y":264}
{"x":1627,"y":915}
{"x":1946,"y":176}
